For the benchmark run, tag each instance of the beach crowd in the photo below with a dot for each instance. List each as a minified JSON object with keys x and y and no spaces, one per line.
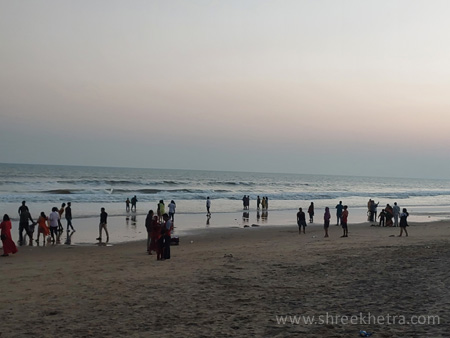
{"x":160,"y":226}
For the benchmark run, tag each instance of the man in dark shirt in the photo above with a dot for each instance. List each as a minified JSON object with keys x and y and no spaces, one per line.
{"x":301,"y":221}
{"x":69,"y":217}
{"x":103,"y":224}
{"x":24,"y":214}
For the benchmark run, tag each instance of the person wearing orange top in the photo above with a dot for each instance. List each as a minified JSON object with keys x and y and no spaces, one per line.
{"x":43,"y":228}
{"x":8,"y":243}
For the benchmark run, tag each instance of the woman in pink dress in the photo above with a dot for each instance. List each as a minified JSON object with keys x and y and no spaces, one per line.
{"x":8,"y":243}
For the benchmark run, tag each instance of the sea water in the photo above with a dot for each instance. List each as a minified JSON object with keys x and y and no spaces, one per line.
{"x":90,"y":188}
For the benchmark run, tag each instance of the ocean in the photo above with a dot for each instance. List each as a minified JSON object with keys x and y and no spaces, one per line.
{"x":90,"y":188}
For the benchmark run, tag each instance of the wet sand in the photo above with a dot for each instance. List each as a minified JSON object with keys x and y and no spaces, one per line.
{"x":232,"y":282}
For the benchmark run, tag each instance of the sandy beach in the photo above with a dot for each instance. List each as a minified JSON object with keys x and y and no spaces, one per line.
{"x":235,"y":282}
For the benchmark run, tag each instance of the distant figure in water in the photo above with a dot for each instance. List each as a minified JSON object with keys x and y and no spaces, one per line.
{"x":301,"y":221}
{"x":403,"y":222}
{"x":103,"y":225}
{"x":326,"y":221}
{"x":133,"y":203}
{"x":208,"y":206}
{"x":127,"y":205}
{"x":311,"y":212}
{"x":8,"y":243}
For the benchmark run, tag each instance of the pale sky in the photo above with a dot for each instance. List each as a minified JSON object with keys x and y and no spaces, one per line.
{"x":320,"y":87}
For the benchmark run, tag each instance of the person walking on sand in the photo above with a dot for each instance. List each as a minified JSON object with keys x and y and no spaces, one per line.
{"x":5,"y":234}
{"x":69,"y":217}
{"x":127,"y":205}
{"x":172,"y":206}
{"x":396,"y":212}
{"x":403,"y":222}
{"x":326,"y":220}
{"x":339,"y":209}
{"x":311,"y":212}
{"x":24,"y":217}
{"x":103,"y":225}
{"x":53,"y":221}
{"x":301,"y":221}
{"x":208,"y":206}
{"x":344,"y":219}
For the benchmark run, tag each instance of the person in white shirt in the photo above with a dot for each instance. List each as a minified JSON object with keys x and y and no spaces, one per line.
{"x":396,"y":210}
{"x":172,"y":207}
{"x":53,"y":220}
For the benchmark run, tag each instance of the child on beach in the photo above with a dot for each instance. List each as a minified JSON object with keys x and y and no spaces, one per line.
{"x":326,"y":221}
{"x":381,"y":216}
{"x":53,"y":221}
{"x":301,"y":221}
{"x":344,"y":219}
{"x":403,"y":222}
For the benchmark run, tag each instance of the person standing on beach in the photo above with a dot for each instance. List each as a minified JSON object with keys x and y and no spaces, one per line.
{"x":53,"y":219}
{"x":103,"y":225}
{"x":149,"y":227}
{"x":403,"y":222}
{"x":396,"y":211}
{"x":168,"y":227}
{"x":172,"y":206}
{"x":339,"y":209}
{"x":311,"y":212}
{"x":161,"y":210}
{"x":24,"y":217}
{"x":69,"y":217}
{"x":8,"y":243}
{"x":61,"y":212}
{"x":42,"y":227}
{"x":258,"y":202}
{"x":208,"y":205}
{"x":127,"y":205}
{"x":133,"y":203}
{"x":326,"y":220}
{"x":301,"y":221}
{"x":344,"y":219}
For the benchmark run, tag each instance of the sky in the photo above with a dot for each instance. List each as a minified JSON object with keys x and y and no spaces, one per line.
{"x":314,"y":87}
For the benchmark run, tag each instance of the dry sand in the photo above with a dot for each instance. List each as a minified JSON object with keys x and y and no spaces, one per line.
{"x":232,"y":282}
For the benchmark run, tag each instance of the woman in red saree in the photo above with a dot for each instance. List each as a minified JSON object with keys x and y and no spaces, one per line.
{"x":8,"y":243}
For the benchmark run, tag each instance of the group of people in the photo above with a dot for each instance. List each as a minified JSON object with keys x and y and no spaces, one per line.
{"x":342,"y":217}
{"x":264,"y":202}
{"x":131,"y":202}
{"x":49,"y":226}
{"x":246,"y":202}
{"x":159,"y":234}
